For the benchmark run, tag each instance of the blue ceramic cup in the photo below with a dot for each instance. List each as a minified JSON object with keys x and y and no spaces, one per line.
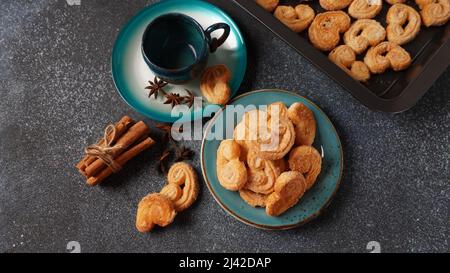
{"x":176,"y":48}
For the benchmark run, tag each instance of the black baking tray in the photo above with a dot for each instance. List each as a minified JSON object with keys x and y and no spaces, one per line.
{"x":387,"y":92}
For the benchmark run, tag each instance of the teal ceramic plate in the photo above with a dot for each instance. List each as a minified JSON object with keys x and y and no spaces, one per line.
{"x":313,"y":202}
{"x":131,"y":74}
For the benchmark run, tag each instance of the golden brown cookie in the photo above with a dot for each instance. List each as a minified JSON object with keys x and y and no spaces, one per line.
{"x":365,"y":9}
{"x":281,"y":165}
{"x":324,"y":32}
{"x":392,"y":2}
{"x":264,"y":134}
{"x":252,"y":198}
{"x":334,"y":4}
{"x":268,"y":5}
{"x":306,"y":160}
{"x":261,"y":174}
{"x":289,"y":188}
{"x":238,"y":131}
{"x":182,"y":175}
{"x":423,"y":3}
{"x":248,"y":129}
{"x":297,"y":19}
{"x":345,"y":58}
{"x":403,"y":24}
{"x":154,"y":209}
{"x":231,"y":172}
{"x":279,"y":109}
{"x":387,"y":55}
{"x":364,"y":33}
{"x":172,"y":191}
{"x":276,"y":136}
{"x":304,"y":122}
{"x":214,"y":84}
{"x":434,"y":12}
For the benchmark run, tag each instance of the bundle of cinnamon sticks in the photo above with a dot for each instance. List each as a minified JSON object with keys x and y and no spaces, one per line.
{"x":121,"y":143}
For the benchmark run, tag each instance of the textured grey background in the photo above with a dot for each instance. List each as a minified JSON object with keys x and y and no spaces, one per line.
{"x":57,"y":92}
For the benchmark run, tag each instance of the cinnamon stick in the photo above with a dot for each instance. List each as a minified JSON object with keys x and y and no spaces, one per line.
{"x":136,"y":132}
{"x":121,"y":127}
{"x":122,"y":160}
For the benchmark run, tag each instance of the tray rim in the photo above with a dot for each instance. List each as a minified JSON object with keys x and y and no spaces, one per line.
{"x":436,"y":64}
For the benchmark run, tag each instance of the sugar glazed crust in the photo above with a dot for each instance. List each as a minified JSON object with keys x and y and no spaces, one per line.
{"x":214,"y":84}
{"x":365,"y":9}
{"x":364,"y":33}
{"x":434,"y":12}
{"x":289,"y":188}
{"x":297,"y":19}
{"x":154,"y":209}
{"x":268,"y":5}
{"x":334,"y":4}
{"x":403,"y":24}
{"x":324,"y":32}
{"x":387,"y":55}
{"x":231,"y":171}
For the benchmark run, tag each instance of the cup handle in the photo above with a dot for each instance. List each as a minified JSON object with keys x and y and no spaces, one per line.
{"x":215,"y":43}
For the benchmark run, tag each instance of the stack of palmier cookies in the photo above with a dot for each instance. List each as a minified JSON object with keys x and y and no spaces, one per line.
{"x":365,"y":35}
{"x":270,"y":160}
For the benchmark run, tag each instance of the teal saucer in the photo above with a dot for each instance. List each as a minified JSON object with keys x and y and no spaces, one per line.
{"x":131,"y":74}
{"x":313,"y":202}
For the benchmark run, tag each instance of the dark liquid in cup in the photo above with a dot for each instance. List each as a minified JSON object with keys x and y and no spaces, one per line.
{"x":174,"y":43}
{"x":178,"y":55}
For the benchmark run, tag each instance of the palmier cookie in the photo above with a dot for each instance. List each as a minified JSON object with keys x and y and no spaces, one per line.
{"x":182,"y":188}
{"x":403,"y":24}
{"x":252,"y":198}
{"x":154,"y":209}
{"x":304,"y":122}
{"x":306,"y":160}
{"x":276,"y":136}
{"x":297,"y":19}
{"x":261,"y":174}
{"x":268,"y":5}
{"x":214,"y":84}
{"x":423,"y":3}
{"x":334,"y":4}
{"x":231,"y":171}
{"x":345,"y":58}
{"x":289,"y":188}
{"x":387,"y":55}
{"x":434,"y":12}
{"x":279,"y":109}
{"x":364,"y":33}
{"x":247,"y":130}
{"x":392,"y":2}
{"x":281,"y":165}
{"x":365,"y":9}
{"x":239,"y":138}
{"x":324,"y":32}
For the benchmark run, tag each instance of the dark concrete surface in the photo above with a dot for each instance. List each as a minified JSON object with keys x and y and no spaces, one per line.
{"x":57,"y":92}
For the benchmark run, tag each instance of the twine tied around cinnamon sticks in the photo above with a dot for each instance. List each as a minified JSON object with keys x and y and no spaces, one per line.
{"x":121,"y":142}
{"x":105,"y":151}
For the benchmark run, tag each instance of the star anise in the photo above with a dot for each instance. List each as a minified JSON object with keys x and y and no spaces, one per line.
{"x":162,"y":166}
{"x":174,"y":99}
{"x":184,"y":153}
{"x":189,"y":99}
{"x":156,"y":86}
